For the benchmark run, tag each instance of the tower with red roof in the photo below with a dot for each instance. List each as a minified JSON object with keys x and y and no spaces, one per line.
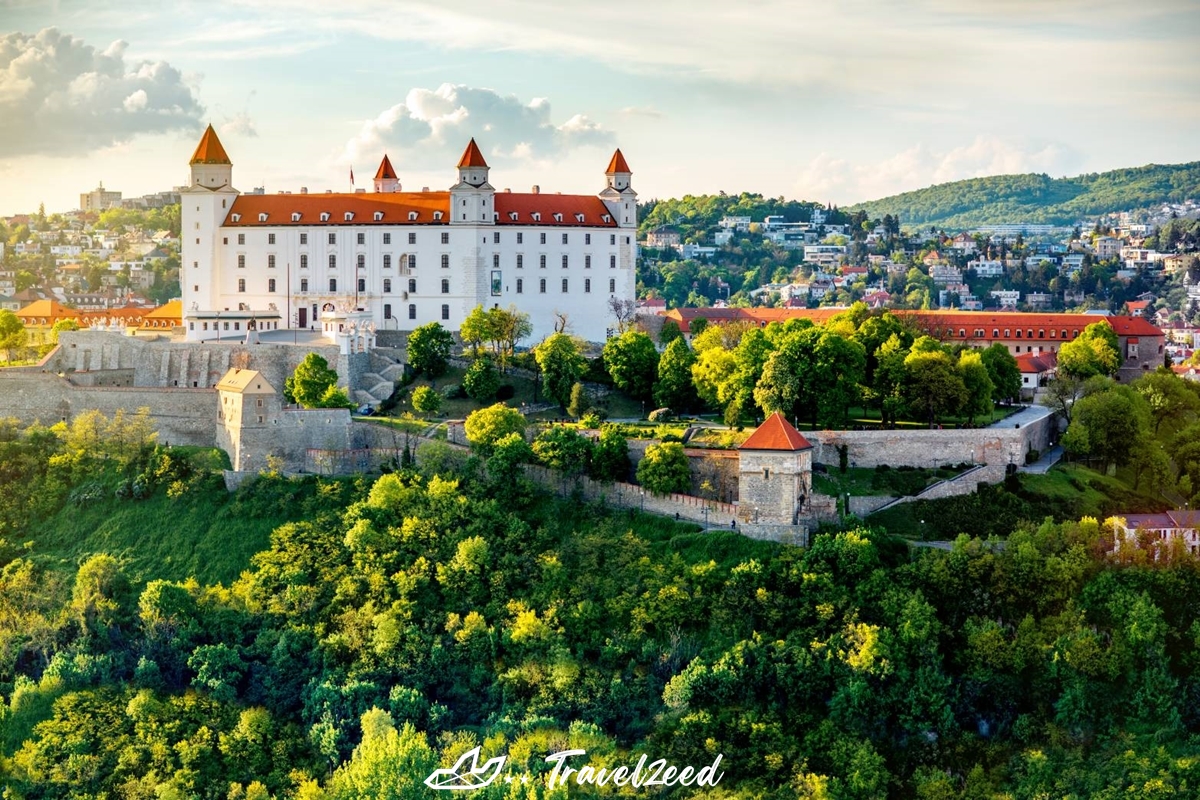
{"x":774,"y":473}
{"x":385,"y":177}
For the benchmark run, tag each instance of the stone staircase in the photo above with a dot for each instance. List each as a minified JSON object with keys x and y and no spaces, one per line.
{"x":378,"y":385}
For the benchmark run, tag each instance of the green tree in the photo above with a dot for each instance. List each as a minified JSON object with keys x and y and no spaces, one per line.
{"x":563,"y":449}
{"x":335,"y":397}
{"x":631,"y":362}
{"x":481,"y":379}
{"x":887,"y":385}
{"x":310,"y":381}
{"x":932,"y":385}
{"x":610,"y":456}
{"x":62,"y":325}
{"x":580,"y":402}
{"x":697,"y":325}
{"x":486,"y":426}
{"x":1003,"y":371}
{"x":475,"y":329}
{"x":429,"y":349}
{"x":387,"y":765}
{"x":664,"y":469}
{"x":1108,"y":423}
{"x":978,"y":383}
{"x":426,"y":400}
{"x":1171,"y":401}
{"x":674,"y":388}
{"x":507,"y":327}
{"x":508,"y":453}
{"x":669,"y":333}
{"x":562,"y":366}
{"x":13,"y":337}
{"x":1094,"y":352}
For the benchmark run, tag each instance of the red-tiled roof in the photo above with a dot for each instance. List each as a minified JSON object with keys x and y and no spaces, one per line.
{"x":210,"y":151}
{"x":524,"y":205}
{"x":776,"y":433}
{"x":396,"y":208}
{"x":385,"y":170}
{"x":617,"y":164}
{"x":1037,"y":363}
{"x":471,"y":157}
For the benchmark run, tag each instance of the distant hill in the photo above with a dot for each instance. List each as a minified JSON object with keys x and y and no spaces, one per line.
{"x":1039,"y":199}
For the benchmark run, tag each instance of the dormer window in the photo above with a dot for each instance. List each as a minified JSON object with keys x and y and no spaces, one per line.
{"x":412,"y":216}
{"x":324,"y":216}
{"x":579,"y":217}
{"x":236,"y":217}
{"x":295,"y":216}
{"x":606,"y":218}
{"x":262,"y":217}
{"x":349,"y":216}
{"x":512,"y":215}
{"x":495,"y":216}
{"x":437,"y":215}
{"x":378,"y":216}
{"x":557,"y":217}
{"x":537,"y":216}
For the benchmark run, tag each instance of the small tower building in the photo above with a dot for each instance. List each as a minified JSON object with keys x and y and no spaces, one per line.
{"x":774,"y":473}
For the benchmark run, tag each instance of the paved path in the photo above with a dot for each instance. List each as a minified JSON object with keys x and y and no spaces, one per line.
{"x":1043,"y":464}
{"x":1025,"y":416}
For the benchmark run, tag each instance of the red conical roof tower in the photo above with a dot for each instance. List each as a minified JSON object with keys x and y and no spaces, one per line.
{"x":472,"y":157}
{"x":210,"y":151}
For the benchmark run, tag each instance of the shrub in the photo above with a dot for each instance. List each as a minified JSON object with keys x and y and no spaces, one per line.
{"x":453,"y":391}
{"x":661,"y":415}
{"x":482,"y":380}
{"x":426,"y":400}
{"x":664,"y":469}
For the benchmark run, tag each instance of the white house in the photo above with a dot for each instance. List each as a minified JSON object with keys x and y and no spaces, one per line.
{"x":406,"y":258}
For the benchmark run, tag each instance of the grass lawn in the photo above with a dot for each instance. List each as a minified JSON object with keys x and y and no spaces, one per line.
{"x":862,"y":481}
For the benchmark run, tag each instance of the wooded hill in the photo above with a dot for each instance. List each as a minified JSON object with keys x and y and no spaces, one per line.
{"x":1039,"y":199}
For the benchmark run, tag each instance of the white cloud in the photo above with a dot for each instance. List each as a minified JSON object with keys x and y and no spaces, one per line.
{"x":445,"y":119}
{"x":841,"y":181}
{"x":62,"y":97}
{"x":239,"y":125}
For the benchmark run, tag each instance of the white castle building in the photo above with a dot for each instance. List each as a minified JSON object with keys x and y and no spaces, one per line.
{"x":395,"y":260}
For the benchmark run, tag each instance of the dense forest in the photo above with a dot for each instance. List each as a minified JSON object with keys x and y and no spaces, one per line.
{"x":1039,"y":199}
{"x":400,"y":621}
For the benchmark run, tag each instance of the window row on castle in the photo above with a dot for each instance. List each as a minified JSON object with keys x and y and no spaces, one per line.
{"x":272,"y":285}
{"x":412,"y":311}
{"x":409,"y":261}
{"x":361,"y":238}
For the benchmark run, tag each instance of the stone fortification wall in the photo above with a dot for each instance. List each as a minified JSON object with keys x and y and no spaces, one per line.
{"x":181,"y":416}
{"x":291,"y":435}
{"x":160,"y":362}
{"x":102,"y":377}
{"x":933,"y":448}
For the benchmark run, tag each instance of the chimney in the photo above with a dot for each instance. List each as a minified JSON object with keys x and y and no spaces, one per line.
{"x":537,"y":189}
{"x":303,"y":190}
{"x":424,"y":188}
{"x":507,"y":191}
{"x":360,"y":191}
{"x":329,"y":191}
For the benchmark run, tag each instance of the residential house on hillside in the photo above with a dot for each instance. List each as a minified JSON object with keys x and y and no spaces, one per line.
{"x":1037,"y":370}
{"x":1181,"y":526}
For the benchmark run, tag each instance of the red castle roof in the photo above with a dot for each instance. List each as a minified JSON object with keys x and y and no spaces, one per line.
{"x":776,"y":433}
{"x":617,"y":164}
{"x":210,"y":151}
{"x":385,"y":170}
{"x":471,"y":157}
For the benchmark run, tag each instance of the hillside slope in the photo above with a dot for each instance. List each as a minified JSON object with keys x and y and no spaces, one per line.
{"x":1039,"y":199}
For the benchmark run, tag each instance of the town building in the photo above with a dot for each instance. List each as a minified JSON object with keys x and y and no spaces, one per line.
{"x":663,"y":237}
{"x":405,"y":258}
{"x":775,"y":473}
{"x":1180,"y":525}
{"x":99,"y":199}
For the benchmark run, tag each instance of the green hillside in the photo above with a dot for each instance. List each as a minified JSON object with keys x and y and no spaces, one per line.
{"x":1039,"y":199}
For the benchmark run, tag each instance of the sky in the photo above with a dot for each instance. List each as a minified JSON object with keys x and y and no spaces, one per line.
{"x":822,"y":101}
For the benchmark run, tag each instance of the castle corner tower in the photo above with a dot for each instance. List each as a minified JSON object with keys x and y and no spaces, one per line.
{"x":385,"y":177}
{"x":471,"y":199}
{"x":618,"y":194}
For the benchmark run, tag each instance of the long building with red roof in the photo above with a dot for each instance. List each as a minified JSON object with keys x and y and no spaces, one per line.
{"x":1141,"y":342}
{"x":403,"y":259}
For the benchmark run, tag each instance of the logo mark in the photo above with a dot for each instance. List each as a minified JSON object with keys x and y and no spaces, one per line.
{"x":466,"y":773}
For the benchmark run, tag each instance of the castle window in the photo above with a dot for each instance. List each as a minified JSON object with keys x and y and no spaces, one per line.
{"x":270,"y":284}
{"x":387,"y":238}
{"x":445,"y":261}
{"x":587,"y":261}
{"x":377,"y":216}
{"x":387,"y":310}
{"x":270,"y":238}
{"x":558,"y":218}
{"x":513,"y":216}
{"x":412,"y":261}
{"x":332,"y":261}
{"x":333,"y":238}
{"x":387,"y":260}
{"x":362,"y":284}
{"x":271,"y":261}
{"x":387,"y":285}
{"x":520,"y":237}
{"x":543,"y":237}
{"x":325,"y":218}
{"x":262,"y":217}
{"x":224,"y":240}
{"x":542,"y":285}
{"x":564,"y":260}
{"x":587,"y":237}
{"x":579,"y":217}
{"x":361,"y":261}
{"x":564,"y":285}
{"x":241,"y":238}
{"x":445,"y":286}
{"x":520,"y":261}
{"x":304,"y":261}
{"x":537,"y":217}
{"x":295,"y":216}
{"x":304,"y":285}
{"x":241,"y":261}
{"x":304,"y":238}
{"x":542,"y":261}
{"x":412,"y":285}
{"x":612,"y":262}
{"x":445,"y":311}
{"x":496,"y":260}
{"x":606,"y":217}
{"x":349,"y":216}
{"x":520,"y":286}
{"x":612,"y":238}
{"x":412,"y":310}
{"x":587,"y":285}
{"x":564,"y":235}
{"x":362,"y":238}
{"x":496,"y":237}
{"x":437,"y":215}
{"x":241,"y":284}
{"x":445,"y":237}
{"x":766,"y":473}
{"x":612,"y":285}
{"x":333,"y":284}
{"x":236,"y":217}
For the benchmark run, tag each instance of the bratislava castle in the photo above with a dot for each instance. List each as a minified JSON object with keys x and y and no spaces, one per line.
{"x":401,"y":259}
